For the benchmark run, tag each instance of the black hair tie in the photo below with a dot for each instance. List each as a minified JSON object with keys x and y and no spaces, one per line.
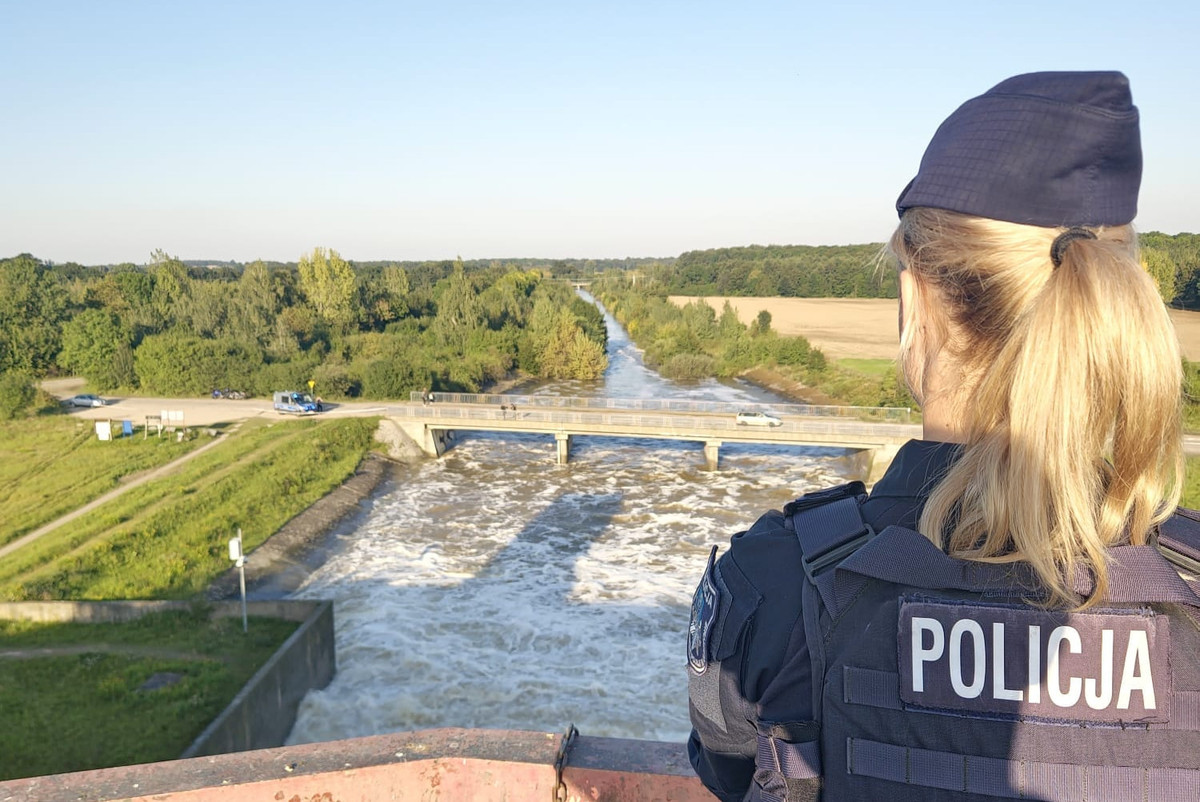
{"x":1059,"y":247}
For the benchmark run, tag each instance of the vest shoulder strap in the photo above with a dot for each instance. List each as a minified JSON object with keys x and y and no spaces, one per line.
{"x":1136,"y":574}
{"x":830,"y":527}
{"x":1179,"y":540}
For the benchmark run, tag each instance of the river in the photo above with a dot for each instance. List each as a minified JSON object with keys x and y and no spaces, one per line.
{"x":492,"y":588}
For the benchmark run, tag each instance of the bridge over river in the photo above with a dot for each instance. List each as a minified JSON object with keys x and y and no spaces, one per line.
{"x":875,"y":432}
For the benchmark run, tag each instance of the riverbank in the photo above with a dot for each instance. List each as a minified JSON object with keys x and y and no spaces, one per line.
{"x":284,"y":559}
{"x":776,"y":382}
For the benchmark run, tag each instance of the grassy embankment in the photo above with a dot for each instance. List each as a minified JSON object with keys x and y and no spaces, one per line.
{"x":50,"y":466}
{"x":167,"y":538}
{"x":164,"y":539}
{"x":86,"y":710}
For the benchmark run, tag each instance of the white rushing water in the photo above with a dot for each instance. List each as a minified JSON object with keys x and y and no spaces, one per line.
{"x":493,"y":588}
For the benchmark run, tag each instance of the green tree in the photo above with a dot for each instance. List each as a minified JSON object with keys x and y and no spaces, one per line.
{"x":91,"y":343}
{"x":1161,"y":268}
{"x":254,"y":306}
{"x":571,"y":354}
{"x":33,"y":306}
{"x":171,"y":293}
{"x":459,"y":312}
{"x":16,"y":393}
{"x":728,"y":326}
{"x":180,"y":364}
{"x":761,"y":324}
{"x":328,"y":283}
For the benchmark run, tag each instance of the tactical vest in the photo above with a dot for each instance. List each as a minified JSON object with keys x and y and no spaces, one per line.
{"x":934,"y":679}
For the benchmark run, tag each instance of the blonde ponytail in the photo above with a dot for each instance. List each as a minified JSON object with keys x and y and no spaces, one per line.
{"x":1070,"y":396}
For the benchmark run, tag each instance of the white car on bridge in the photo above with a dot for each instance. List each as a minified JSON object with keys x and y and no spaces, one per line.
{"x":757,"y":419}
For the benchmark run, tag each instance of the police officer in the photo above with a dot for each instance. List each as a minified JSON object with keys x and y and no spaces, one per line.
{"x":995,"y":620}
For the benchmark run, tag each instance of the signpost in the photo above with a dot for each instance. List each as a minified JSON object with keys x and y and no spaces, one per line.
{"x":235,"y":554}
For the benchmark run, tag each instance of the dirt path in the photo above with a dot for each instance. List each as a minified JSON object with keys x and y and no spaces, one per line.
{"x":160,"y":471}
{"x":129,"y":650}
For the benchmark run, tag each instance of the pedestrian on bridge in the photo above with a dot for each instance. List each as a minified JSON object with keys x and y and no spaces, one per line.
{"x":1000,"y":616}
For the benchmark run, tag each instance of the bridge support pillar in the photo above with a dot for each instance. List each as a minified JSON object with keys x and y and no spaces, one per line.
{"x":878,"y":461}
{"x":712,"y":453}
{"x":562,"y":443}
{"x":432,"y":442}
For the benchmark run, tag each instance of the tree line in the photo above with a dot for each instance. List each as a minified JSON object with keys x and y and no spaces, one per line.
{"x":856,"y":271}
{"x":790,"y":271}
{"x":374,"y":331}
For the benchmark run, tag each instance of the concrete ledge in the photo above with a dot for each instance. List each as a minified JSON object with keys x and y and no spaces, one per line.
{"x":263,"y":712}
{"x":445,"y":764}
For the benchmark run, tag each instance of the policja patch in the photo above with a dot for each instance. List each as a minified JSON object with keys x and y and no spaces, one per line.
{"x":705,"y":604}
{"x":1106,"y":666}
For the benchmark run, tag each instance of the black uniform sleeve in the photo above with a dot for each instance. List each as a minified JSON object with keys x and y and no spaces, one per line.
{"x":743,"y":615}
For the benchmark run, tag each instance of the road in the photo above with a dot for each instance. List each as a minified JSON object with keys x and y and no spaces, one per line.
{"x":202,"y":411}
{"x":212,"y":411}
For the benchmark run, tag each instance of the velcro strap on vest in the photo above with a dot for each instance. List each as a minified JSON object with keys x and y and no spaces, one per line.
{"x":874,"y":688}
{"x":829,"y":533}
{"x":1017,"y":779}
{"x":1137,"y":574}
{"x":1178,"y":538}
{"x":799,"y":761}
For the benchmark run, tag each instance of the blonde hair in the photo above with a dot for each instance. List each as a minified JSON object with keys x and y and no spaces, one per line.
{"x":1070,"y":393}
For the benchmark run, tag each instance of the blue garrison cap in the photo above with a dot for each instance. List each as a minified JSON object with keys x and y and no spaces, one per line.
{"x":1043,"y":149}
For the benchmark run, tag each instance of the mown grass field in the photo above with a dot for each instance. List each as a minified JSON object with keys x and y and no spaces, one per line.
{"x":867,"y":327}
{"x":876,"y":368}
{"x":80,"y":711}
{"x":52,"y":465}
{"x":167,"y":539}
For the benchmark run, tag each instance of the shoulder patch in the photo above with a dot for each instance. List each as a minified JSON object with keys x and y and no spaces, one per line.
{"x":705,"y":604}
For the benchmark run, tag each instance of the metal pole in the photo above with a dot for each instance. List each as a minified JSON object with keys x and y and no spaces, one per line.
{"x":242,"y":577}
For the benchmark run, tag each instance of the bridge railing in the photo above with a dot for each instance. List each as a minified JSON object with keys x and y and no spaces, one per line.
{"x":890,"y":414}
{"x":665,"y":424}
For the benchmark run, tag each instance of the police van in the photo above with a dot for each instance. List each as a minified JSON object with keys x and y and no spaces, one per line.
{"x":295,"y":403}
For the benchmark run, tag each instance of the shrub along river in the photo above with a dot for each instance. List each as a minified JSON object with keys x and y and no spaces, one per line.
{"x":492,"y":588}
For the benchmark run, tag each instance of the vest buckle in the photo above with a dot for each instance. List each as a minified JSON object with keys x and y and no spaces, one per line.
{"x":827,"y":558}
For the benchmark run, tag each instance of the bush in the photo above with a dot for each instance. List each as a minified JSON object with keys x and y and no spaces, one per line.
{"x":392,"y":378}
{"x":337,"y":381}
{"x":17,"y":394}
{"x":791,"y":350}
{"x":287,"y":375}
{"x":180,"y":364}
{"x":689,"y":366}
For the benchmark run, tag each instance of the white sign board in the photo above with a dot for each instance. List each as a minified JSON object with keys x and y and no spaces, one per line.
{"x":104,"y":429}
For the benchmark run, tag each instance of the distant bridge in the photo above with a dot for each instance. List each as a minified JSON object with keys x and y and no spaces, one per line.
{"x":876,"y":432}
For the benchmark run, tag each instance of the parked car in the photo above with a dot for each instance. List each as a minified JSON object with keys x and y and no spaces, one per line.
{"x":85,"y":400}
{"x":757,"y":419}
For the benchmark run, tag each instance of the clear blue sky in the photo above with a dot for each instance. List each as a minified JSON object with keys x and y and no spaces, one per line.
{"x":427,"y":130}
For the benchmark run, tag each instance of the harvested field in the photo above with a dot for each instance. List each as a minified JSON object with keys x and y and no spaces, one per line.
{"x":866,"y":327}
